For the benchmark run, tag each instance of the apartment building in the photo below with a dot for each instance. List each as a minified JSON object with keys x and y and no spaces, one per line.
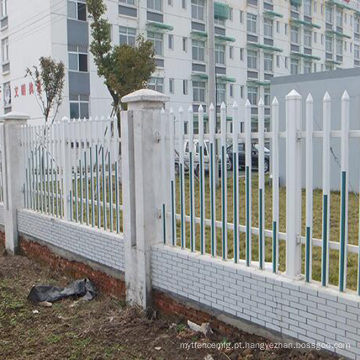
{"x":255,"y":40}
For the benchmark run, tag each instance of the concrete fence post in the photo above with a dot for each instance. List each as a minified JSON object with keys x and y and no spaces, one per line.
{"x":142,"y":199}
{"x":14,"y":176}
{"x":293,"y":184}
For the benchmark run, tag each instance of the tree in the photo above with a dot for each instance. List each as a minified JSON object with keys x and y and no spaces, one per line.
{"x":49,"y":79}
{"x":125,"y":68}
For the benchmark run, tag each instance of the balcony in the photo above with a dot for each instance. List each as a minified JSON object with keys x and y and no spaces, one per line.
{"x":298,"y":22}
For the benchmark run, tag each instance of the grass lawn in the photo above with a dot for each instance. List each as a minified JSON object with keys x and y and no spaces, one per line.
{"x":353,"y":222}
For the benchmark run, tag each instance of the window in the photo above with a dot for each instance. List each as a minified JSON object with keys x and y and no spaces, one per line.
{"x":315,"y":37}
{"x":253,"y":95}
{"x":307,"y":8}
{"x":329,"y":15}
{"x":185,"y":87}
{"x":328,"y":44}
{"x":268,"y":28}
{"x":357,"y":25}
{"x":231,"y":52}
{"x":79,"y":106}
{"x":7,"y":95}
{"x":171,"y":41}
{"x":184,"y":4}
{"x":315,"y":6}
{"x":242,"y":54}
{"x":286,"y":62}
{"x":267,"y":96}
{"x":78,"y":61}
{"x":231,"y":14}
{"x":294,"y":35}
{"x":155,"y":5}
{"x":156,"y":83}
{"x":157,"y":41}
{"x":198,"y":50}
{"x":339,"y":47}
{"x":171,"y":86}
{"x":128,"y":2}
{"x":231,"y":90}
{"x":198,"y":91}
{"x":170,"y":2}
{"x":5,"y":50}
{"x":77,"y":10}
{"x":184,"y":44}
{"x":339,"y":18}
{"x":307,"y":67}
{"x":220,"y":54}
{"x":357,"y":51}
{"x":220,"y":22}
{"x":251,"y":23}
{"x":286,"y":29}
{"x":307,"y":38}
{"x":3,"y":8}
{"x":294,"y":66}
{"x":127,"y":35}
{"x":220,"y":93}
{"x":252,"y":59}
{"x":278,"y":26}
{"x":198,"y":9}
{"x":278,"y":60}
{"x":242,"y":91}
{"x":268,"y":62}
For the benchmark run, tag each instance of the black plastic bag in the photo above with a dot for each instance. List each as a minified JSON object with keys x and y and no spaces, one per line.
{"x":83,"y":288}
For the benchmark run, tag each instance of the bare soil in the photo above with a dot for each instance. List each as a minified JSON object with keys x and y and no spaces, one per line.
{"x":104,"y":328}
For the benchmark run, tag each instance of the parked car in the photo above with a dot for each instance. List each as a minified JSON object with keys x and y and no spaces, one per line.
{"x":254,"y":156}
{"x":197,"y":158}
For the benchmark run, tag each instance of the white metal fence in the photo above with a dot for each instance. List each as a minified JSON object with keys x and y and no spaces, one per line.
{"x":73,"y":171}
{"x":244,"y":218}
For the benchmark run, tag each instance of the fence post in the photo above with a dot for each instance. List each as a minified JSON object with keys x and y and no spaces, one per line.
{"x":14,"y":176}
{"x":293,"y":184}
{"x":142,"y":189}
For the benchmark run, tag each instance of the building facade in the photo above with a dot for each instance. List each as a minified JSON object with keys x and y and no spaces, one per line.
{"x":255,"y":40}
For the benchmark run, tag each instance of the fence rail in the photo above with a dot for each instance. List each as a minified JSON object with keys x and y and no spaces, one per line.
{"x":245,"y":218}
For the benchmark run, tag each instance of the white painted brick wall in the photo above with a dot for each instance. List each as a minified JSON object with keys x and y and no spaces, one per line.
{"x":306,"y":312}
{"x":2,"y":221}
{"x":97,"y":245}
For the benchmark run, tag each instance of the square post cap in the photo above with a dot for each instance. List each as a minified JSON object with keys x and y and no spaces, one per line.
{"x":14,"y":116}
{"x":150,"y":98}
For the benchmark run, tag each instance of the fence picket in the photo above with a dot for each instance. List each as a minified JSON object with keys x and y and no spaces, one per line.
{"x":345,"y":120}
{"x":248,"y":179}
{"x":182,"y":177}
{"x":202,"y":179}
{"x":172,"y":176}
{"x":223,"y":182}
{"x":235,"y":165}
{"x":212,"y":121}
{"x":191,"y":178}
{"x":275,"y":184}
{"x":326,"y":190}
{"x":309,"y":187}
{"x":261,"y":165}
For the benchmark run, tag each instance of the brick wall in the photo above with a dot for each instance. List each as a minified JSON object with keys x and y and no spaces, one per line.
{"x":40,"y":253}
{"x":301,"y":311}
{"x":96,"y":245}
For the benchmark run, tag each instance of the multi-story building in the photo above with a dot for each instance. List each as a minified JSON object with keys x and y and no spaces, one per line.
{"x":255,"y":40}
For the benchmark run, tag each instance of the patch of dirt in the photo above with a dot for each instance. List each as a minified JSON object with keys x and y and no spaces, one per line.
{"x":104,"y":328}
